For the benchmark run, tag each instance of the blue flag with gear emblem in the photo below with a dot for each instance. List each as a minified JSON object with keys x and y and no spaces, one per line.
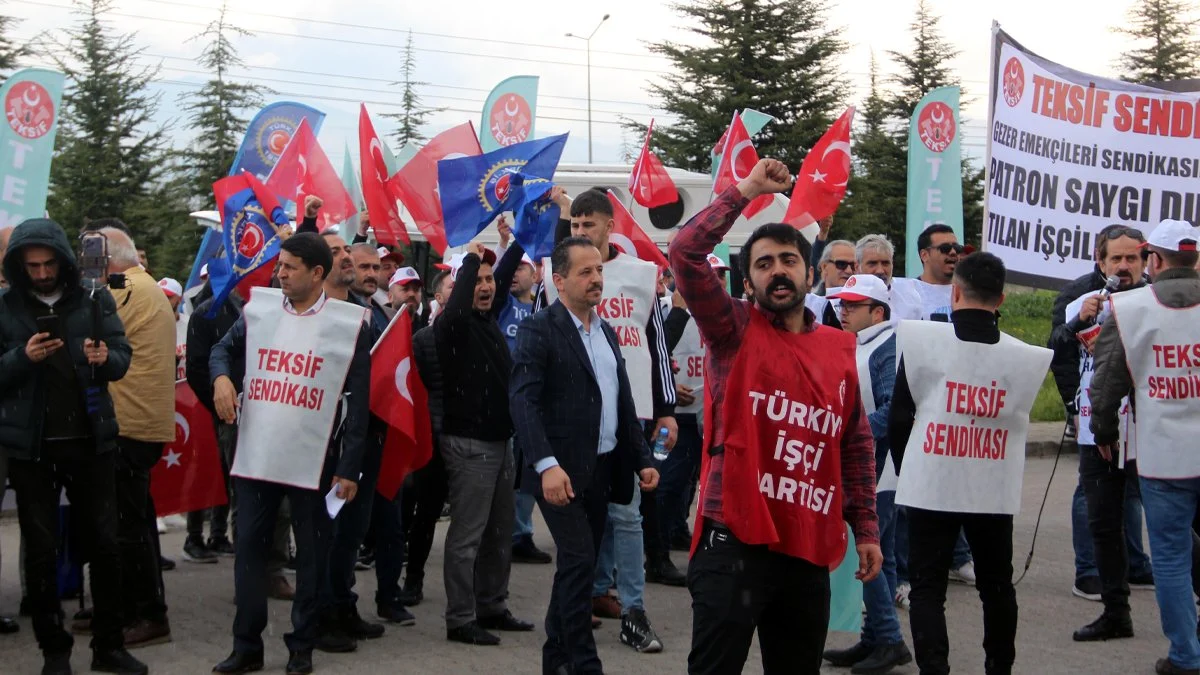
{"x":516,"y":178}
{"x":250,"y":221}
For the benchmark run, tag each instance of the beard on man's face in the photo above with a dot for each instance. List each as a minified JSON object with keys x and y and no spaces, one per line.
{"x":771,"y":299}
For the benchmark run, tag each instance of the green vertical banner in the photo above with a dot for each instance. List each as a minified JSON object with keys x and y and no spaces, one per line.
{"x":509,"y":113}
{"x":722,"y":252}
{"x":934,"y":171}
{"x":31,"y":99}
{"x":350,"y":182}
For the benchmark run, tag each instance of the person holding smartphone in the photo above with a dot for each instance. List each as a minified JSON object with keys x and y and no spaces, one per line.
{"x":57,"y":421}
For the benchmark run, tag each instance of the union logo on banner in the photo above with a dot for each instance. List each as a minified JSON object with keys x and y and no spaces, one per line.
{"x":29,"y":109}
{"x":497,"y":183}
{"x":273,"y":138}
{"x":936,"y":126}
{"x":1014,"y":81}
{"x":510,"y":119}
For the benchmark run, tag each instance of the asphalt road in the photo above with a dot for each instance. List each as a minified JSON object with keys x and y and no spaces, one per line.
{"x":201,"y":611}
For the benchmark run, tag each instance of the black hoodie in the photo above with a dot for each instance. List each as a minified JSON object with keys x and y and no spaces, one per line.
{"x":61,"y":397}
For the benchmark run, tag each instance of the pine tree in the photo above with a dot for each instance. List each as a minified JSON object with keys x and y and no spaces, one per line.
{"x":1165,"y":34}
{"x":217,"y":112}
{"x":874,"y":201}
{"x":109,"y":151}
{"x":412,"y":115}
{"x":776,"y":56}
{"x":923,"y":68}
{"x":10,"y":52}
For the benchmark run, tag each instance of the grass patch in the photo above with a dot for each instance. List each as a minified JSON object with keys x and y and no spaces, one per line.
{"x":1026,"y":316}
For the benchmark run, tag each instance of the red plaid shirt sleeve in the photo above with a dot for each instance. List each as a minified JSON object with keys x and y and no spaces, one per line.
{"x":858,"y":477}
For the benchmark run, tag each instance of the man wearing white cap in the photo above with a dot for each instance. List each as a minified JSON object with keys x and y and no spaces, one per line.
{"x":389,"y":262}
{"x":866,"y":312}
{"x":174,"y":292}
{"x":1150,"y":347}
{"x":404,"y":290}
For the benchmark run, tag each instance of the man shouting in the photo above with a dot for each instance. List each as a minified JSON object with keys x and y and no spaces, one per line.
{"x":789,"y":454}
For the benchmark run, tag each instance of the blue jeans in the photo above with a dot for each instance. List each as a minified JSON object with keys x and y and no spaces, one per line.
{"x":962,"y":552}
{"x":523,"y":503}
{"x":881,"y":626}
{"x":622,"y":549}
{"x":675,"y":485}
{"x":1170,"y":510}
{"x":1081,"y":536}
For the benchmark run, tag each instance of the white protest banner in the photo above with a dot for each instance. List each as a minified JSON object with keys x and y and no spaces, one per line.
{"x":1070,"y":153}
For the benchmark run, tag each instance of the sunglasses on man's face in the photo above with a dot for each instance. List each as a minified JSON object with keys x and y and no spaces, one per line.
{"x":842,"y":265}
{"x":945,"y":249}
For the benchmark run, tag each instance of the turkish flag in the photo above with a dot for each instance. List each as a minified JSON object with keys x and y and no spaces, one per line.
{"x":303,"y":169}
{"x":629,"y":237}
{"x":189,"y":476}
{"x":381,"y":205}
{"x":737,"y":161}
{"x":416,"y":183}
{"x":649,"y":183}
{"x":821,"y":183}
{"x":398,"y":397}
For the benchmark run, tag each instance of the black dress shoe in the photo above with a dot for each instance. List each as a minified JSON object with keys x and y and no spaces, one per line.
{"x":336,"y":641}
{"x":8,"y":625}
{"x":663,"y":571}
{"x":472,"y":634}
{"x":117,"y":661}
{"x":525,"y":551}
{"x":358,"y":627}
{"x":57,"y":663}
{"x":844,"y":658}
{"x":240,"y":662}
{"x":299,"y":662}
{"x":505,"y":622}
{"x":1107,"y":627}
{"x":1166,"y":667}
{"x":882,"y":659}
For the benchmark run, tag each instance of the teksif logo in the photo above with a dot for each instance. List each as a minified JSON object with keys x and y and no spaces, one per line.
{"x":1014,"y":81}
{"x":29,"y":110}
{"x":935,"y":126}
{"x":851,"y":283}
{"x":510,"y":119}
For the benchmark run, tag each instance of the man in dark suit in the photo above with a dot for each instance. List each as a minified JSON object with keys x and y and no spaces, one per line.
{"x":574,"y":413}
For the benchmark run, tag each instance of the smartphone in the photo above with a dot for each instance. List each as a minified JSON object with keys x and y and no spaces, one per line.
{"x":49,"y":324}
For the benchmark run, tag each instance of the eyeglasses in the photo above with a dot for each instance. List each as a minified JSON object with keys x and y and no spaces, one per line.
{"x":946,"y":248}
{"x":847,"y":306}
{"x":842,"y":265}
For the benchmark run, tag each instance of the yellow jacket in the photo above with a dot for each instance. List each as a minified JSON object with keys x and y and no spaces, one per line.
{"x":145,"y":398}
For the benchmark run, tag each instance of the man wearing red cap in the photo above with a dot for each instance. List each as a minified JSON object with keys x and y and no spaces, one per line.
{"x":788,"y":452}
{"x":1149,"y":347}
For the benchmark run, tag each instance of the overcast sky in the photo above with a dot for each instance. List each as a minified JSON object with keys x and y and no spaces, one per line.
{"x":334,"y":54}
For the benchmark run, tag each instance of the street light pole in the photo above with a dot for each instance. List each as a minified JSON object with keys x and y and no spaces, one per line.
{"x":588,"y":41}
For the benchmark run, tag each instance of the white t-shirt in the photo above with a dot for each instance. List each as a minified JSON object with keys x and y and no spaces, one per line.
{"x":934,"y":298}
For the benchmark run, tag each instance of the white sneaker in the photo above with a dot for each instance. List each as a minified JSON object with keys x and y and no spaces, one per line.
{"x":902,"y":592}
{"x":162,"y":526}
{"x":964,"y":574}
{"x":175,"y":520}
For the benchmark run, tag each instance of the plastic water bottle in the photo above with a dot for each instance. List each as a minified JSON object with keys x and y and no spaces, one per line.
{"x":660,"y":444}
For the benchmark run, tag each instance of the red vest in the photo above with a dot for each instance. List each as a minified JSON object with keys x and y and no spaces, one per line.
{"x":785,"y":408}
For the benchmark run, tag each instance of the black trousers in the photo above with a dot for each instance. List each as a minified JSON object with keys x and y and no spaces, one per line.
{"x":421,"y":508}
{"x":258,"y":503}
{"x":1104,"y":488}
{"x":654,"y":542}
{"x":737,"y":589}
{"x":143,"y":595}
{"x":931,"y":538}
{"x":577,"y":529}
{"x":349,"y":530}
{"x":90,"y":481}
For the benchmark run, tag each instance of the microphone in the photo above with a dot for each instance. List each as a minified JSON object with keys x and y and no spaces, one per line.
{"x":1110,"y":286}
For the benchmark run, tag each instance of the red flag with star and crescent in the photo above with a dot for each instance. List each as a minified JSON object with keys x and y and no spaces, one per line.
{"x":398,"y":397}
{"x":737,"y":161}
{"x":649,"y":182}
{"x":821,"y":183}
{"x":416,"y":183}
{"x":628,"y":236}
{"x":381,"y":205}
{"x":304,"y":169}
{"x":189,"y":477}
